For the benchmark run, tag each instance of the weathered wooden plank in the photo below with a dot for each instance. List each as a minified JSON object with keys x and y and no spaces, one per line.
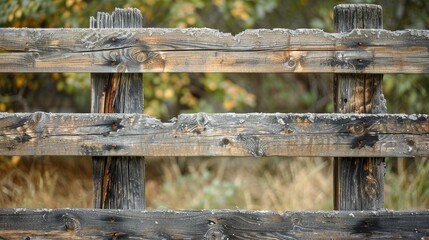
{"x":171,"y":39}
{"x":119,"y":181}
{"x":211,"y":224}
{"x":214,"y":135}
{"x":208,"y":50}
{"x":358,"y":182}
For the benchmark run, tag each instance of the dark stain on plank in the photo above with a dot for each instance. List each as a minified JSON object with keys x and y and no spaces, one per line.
{"x":112,"y":147}
{"x":13,"y":122}
{"x":355,"y":63}
{"x":23,"y":138}
{"x":366,"y":227}
{"x":90,"y":150}
{"x":366,"y":140}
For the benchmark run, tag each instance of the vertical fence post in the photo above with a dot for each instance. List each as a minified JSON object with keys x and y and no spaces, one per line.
{"x":118,"y":181}
{"x":358,"y":182}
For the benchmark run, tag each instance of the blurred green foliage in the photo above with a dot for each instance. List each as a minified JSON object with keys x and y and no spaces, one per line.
{"x":167,"y":95}
{"x":206,"y":191}
{"x":407,"y":186}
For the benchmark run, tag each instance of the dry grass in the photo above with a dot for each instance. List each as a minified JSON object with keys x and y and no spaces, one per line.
{"x":47,"y":183}
{"x":407,"y":184}
{"x":246,"y":183}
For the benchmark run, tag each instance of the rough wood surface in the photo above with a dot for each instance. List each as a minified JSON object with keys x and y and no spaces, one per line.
{"x":208,"y":50}
{"x":358,"y":182}
{"x":211,"y":224}
{"x":119,"y":182}
{"x":203,"y":134}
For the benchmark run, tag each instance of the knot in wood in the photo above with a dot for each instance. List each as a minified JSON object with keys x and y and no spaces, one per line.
{"x":224,"y":142}
{"x":140,"y":56}
{"x":202,"y":119}
{"x":114,"y":57}
{"x":371,"y":186}
{"x":71,"y":223}
{"x":358,"y":128}
{"x":290,"y":62}
{"x":255,"y":146}
{"x":215,"y":233}
{"x":121,"y":68}
{"x":195,"y":123}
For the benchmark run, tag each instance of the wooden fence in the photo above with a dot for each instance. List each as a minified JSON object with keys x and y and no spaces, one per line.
{"x":116,"y":49}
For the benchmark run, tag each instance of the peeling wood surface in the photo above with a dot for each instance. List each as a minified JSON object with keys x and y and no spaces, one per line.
{"x":208,"y":50}
{"x":211,"y":224}
{"x":202,"y":134}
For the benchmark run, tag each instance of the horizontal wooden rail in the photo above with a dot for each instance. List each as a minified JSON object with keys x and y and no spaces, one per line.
{"x":208,"y":50}
{"x":202,"y":134}
{"x":211,"y":224}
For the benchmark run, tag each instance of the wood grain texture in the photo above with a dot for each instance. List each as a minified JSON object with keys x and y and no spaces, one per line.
{"x":358,"y":182}
{"x":119,"y":181}
{"x":211,"y":224}
{"x":201,"y":134}
{"x":208,"y":50}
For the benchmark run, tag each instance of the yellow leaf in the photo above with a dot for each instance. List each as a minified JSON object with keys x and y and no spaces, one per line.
{"x":77,"y":7}
{"x":164,"y":76}
{"x":219,"y":2}
{"x":229,"y":104}
{"x":250,"y":99}
{"x":66,"y":14}
{"x":19,"y":81}
{"x":181,"y":25}
{"x":159,"y":93}
{"x":187,"y":8}
{"x":18,"y":13}
{"x":239,"y":11}
{"x":169,"y":93}
{"x":2,"y":107}
{"x":149,"y":111}
{"x":150,"y":2}
{"x":189,"y":99}
{"x":191,"y":20}
{"x":212,"y":86}
{"x":69,"y":3}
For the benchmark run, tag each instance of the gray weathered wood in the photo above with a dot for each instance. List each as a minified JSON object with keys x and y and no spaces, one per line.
{"x":201,"y":134}
{"x":208,"y":50}
{"x":211,"y":224}
{"x":358,"y":182}
{"x":119,"y":182}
